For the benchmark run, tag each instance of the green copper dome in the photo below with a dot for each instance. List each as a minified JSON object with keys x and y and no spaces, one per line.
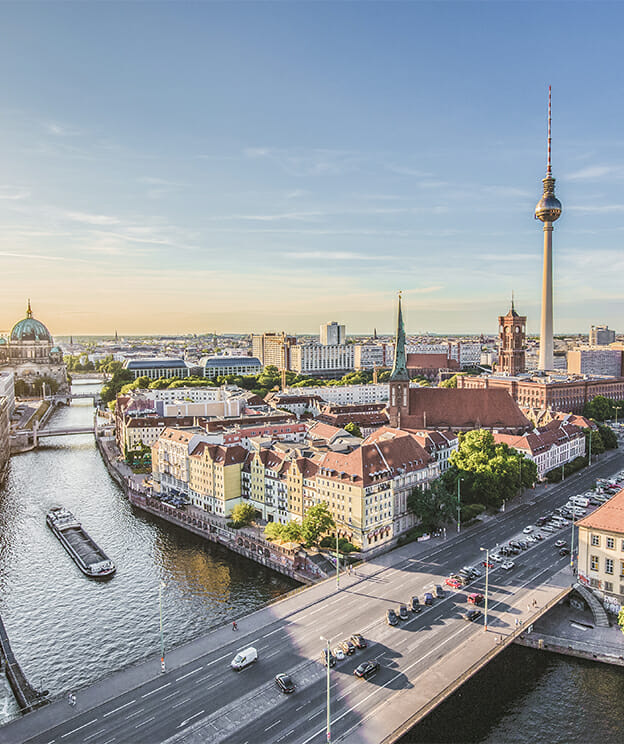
{"x":30,"y":329}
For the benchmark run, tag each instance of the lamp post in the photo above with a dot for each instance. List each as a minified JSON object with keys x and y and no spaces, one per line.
{"x":590,"y":435}
{"x":328,"y":642}
{"x":162,"y":640}
{"x":572,"y":540}
{"x":616,"y":409}
{"x":487,"y":577}
{"x":459,"y":480}
{"x":337,"y":561}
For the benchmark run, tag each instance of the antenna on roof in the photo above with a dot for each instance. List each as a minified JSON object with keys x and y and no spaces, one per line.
{"x":548,"y":167}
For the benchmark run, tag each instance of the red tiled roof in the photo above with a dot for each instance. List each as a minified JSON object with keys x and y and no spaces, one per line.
{"x":462,"y":408}
{"x":608,"y":517}
{"x":542,"y":439}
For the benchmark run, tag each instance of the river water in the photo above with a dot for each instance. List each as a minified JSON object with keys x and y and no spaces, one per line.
{"x":68,"y":631}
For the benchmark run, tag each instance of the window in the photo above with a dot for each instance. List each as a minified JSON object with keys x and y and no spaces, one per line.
{"x":611,"y":543}
{"x":608,"y":586}
{"x":595,"y":539}
{"x":609,"y":565}
{"x":594,"y":563}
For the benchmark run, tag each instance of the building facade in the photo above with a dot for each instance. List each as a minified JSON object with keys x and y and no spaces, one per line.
{"x":512,"y":339}
{"x":595,"y":361}
{"x":332,"y":334}
{"x":157,"y":369}
{"x":220,"y":366}
{"x":273,"y":349}
{"x":316,"y":359}
{"x":601,"y":548}
{"x":600,"y":335}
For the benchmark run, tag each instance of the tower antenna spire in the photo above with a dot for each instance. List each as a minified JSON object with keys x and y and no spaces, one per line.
{"x":549,"y":166}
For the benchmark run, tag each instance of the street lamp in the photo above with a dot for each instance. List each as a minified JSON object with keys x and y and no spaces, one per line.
{"x":162,"y":640}
{"x":572,"y":540}
{"x":487,"y":577}
{"x":328,"y":652}
{"x":459,"y":480}
{"x":616,"y":409}
{"x":337,"y":560}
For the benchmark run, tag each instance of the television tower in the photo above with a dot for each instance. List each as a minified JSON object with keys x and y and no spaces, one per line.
{"x":548,"y":210}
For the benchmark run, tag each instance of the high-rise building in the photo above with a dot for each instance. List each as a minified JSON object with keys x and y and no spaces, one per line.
{"x":548,"y":210}
{"x":332,"y":334}
{"x":273,"y":349}
{"x":596,"y":361}
{"x":601,"y":336}
{"x":512,"y":335}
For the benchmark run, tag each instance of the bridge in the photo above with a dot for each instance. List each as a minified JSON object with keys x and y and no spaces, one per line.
{"x":199,"y":698}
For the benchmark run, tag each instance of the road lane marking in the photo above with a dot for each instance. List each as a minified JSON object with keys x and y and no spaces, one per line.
{"x":121,"y":707}
{"x":315,"y":715}
{"x":162,"y":687}
{"x":300,"y":707}
{"x":109,"y":741}
{"x":136,"y":713}
{"x":173,"y":694}
{"x":177,"y":705}
{"x":288,"y":733}
{"x":91,"y":736}
{"x":147,"y":720}
{"x":272,"y":725}
{"x":73,"y":731}
{"x":188,"y":674}
{"x":268,"y":656}
{"x":272,"y":632}
{"x":190,"y":719}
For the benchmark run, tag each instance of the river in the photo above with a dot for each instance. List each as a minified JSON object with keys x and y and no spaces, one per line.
{"x":68,"y":631}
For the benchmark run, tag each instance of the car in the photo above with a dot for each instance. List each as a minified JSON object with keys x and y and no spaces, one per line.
{"x":471,"y":615}
{"x":454,"y":582}
{"x":507,"y":565}
{"x":402,"y":612}
{"x":564,"y":551}
{"x":532,"y":539}
{"x":539,"y":536}
{"x":358,"y":640}
{"x":438,"y":592}
{"x":338,"y":653}
{"x":548,"y":528}
{"x":497,"y":557}
{"x":285,"y":683}
{"x":428,"y":598}
{"x":414,"y":604}
{"x":559,"y":543}
{"x":367,"y":669}
{"x":528,"y":529}
{"x":514,"y":544}
{"x":524,"y":545}
{"x":391,"y":617}
{"x":542,"y":520}
{"x":474,"y":598}
{"x":487,"y":564}
{"x":348,"y":647}
{"x":325,"y":656}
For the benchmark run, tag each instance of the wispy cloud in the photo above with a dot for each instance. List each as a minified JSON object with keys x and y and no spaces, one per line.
{"x":506,"y":257}
{"x":31,"y":255}
{"x":594,"y":172}
{"x":92,"y":219}
{"x":597,"y":208}
{"x":13,"y":194}
{"x":313,"y":162}
{"x":424,"y":290}
{"x":333,"y":256}
{"x":59,"y":130}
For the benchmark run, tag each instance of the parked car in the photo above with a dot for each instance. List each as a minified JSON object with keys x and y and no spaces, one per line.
{"x":428,"y":597}
{"x":454,"y":582}
{"x":402,"y":612}
{"x":358,"y":640}
{"x":347,"y":646}
{"x":532,"y":539}
{"x":507,"y":565}
{"x":471,"y":615}
{"x":548,"y":528}
{"x":285,"y":683}
{"x":542,"y":520}
{"x":338,"y":653}
{"x":539,"y":536}
{"x":391,"y":617}
{"x":474,"y":598}
{"x":366,"y":669}
{"x":528,"y":529}
{"x":497,"y":557}
{"x":327,"y":656}
{"x":485,"y":564}
{"x":414,"y":604}
{"x":438,"y":592}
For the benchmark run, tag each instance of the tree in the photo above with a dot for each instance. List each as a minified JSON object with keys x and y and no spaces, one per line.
{"x":433,"y":505}
{"x":599,"y":408}
{"x":354,"y":429}
{"x":243,"y":513}
{"x":593,"y":442}
{"x":621,"y":619}
{"x":316,"y":522}
{"x":609,"y":439}
{"x":450,"y":383}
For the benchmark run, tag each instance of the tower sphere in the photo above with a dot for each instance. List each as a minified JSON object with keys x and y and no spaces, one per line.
{"x":548,"y":208}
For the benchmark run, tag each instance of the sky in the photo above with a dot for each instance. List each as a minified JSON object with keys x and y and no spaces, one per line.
{"x":175,"y":167}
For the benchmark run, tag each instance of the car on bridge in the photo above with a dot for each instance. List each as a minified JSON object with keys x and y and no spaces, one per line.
{"x":285,"y":683}
{"x":367,"y":669}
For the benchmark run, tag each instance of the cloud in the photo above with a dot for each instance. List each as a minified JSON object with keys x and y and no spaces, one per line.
{"x":13,"y":194}
{"x":597,"y":208}
{"x":507,"y":257}
{"x":593,"y":172}
{"x":334,"y":255}
{"x":91,"y":219}
{"x":424,"y":290}
{"x":31,"y":255}
{"x":59,"y":130}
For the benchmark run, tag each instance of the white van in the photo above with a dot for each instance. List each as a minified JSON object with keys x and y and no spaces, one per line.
{"x":579,"y":501}
{"x":244,"y":658}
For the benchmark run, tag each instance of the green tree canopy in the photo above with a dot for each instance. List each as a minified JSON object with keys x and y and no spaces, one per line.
{"x":316,"y":522}
{"x":434,"y":505}
{"x":621,"y":619}
{"x":609,"y":439}
{"x":243,"y":513}
{"x":354,"y":429}
{"x":600,"y":408}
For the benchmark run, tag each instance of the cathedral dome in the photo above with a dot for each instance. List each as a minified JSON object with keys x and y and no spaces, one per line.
{"x":30,"y":329}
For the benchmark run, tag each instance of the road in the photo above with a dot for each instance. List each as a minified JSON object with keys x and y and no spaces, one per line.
{"x":205,"y":700}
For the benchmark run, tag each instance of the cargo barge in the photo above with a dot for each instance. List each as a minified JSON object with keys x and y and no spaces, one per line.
{"x":87,"y":555}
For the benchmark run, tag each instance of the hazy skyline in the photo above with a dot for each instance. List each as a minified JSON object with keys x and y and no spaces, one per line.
{"x":190,"y":167}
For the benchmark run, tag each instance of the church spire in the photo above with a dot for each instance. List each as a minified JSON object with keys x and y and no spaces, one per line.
{"x":29,"y":311}
{"x":399,"y":370}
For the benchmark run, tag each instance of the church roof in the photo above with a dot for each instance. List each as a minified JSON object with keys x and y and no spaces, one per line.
{"x":30,"y":329}
{"x":399,"y":369}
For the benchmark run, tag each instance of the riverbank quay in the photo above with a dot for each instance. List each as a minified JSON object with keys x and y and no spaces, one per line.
{"x":35,"y":414}
{"x":570,"y":629}
{"x":27,"y":697}
{"x":295,"y":563}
